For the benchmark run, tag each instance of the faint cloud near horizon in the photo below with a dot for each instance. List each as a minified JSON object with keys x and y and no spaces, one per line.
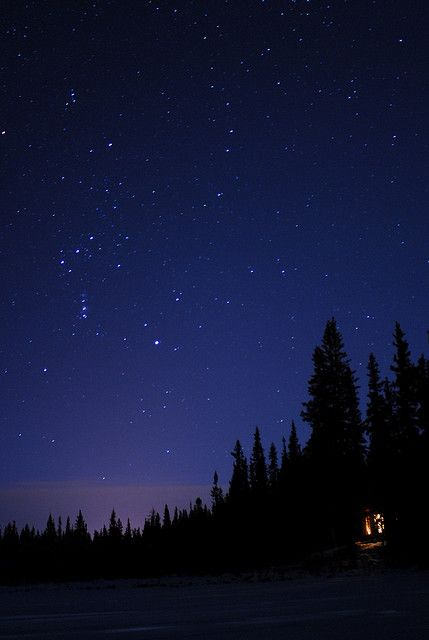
{"x":33,"y":502}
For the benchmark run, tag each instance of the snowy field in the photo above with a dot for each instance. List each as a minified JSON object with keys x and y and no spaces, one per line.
{"x":388,"y":606}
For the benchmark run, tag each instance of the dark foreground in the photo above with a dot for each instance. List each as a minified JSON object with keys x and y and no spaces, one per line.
{"x":382,"y":607}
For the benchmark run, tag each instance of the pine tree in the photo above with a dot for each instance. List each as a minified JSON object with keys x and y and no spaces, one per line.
{"x":292,"y":511}
{"x":422,"y":373}
{"x":60,"y":528}
{"x":50,"y":532}
{"x":294,"y":448}
{"x":378,"y":418}
{"x":405,"y":391}
{"x":81,"y":529}
{"x":273,"y":467}
{"x":166,"y":521}
{"x":412,"y":462}
{"x":422,"y":461}
{"x":27,"y":535}
{"x":216,"y":494}
{"x":128,"y":532}
{"x":239,"y":483}
{"x":155,"y":520}
{"x":10,"y":534}
{"x":284,"y":466}
{"x":335,"y":451}
{"x":175,"y":521}
{"x":68,"y":532}
{"x":333,"y":409}
{"x":258,"y":467}
{"x":381,"y":457}
{"x":237,"y":507}
{"x":115,"y":526}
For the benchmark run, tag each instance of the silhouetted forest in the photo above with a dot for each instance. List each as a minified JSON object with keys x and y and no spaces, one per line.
{"x":354,"y":477}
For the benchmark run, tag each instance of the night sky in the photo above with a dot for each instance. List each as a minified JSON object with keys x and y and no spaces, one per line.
{"x":189,"y":191}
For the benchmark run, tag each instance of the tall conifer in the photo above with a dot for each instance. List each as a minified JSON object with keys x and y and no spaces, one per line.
{"x":273,"y":467}
{"x":335,"y":450}
{"x":333,"y":409}
{"x":239,"y":483}
{"x":405,"y":391}
{"x":294,"y":448}
{"x":258,"y":466}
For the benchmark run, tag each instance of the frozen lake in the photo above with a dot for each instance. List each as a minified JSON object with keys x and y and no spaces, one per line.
{"x":392,"y":606}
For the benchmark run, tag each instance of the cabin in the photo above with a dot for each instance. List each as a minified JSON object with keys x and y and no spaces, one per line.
{"x":373,"y":524}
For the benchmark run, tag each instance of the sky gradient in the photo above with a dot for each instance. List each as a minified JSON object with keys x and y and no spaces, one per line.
{"x":189,"y":191}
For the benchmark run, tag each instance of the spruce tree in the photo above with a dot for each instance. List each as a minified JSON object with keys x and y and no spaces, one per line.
{"x":128,"y":532}
{"x":273,"y":467}
{"x":11,"y":535}
{"x":294,"y":448}
{"x":175,"y":521}
{"x":115,"y":526}
{"x":81,"y":530}
{"x":27,"y":535}
{"x":422,"y":462}
{"x":422,"y":388}
{"x":284,"y":466}
{"x":378,"y":420}
{"x":405,"y":392}
{"x":60,"y":528}
{"x":258,"y":467}
{"x":216,"y":493}
{"x":237,"y":508}
{"x":381,"y":459}
{"x":68,"y":532}
{"x":166,"y":520}
{"x":335,"y":451}
{"x":50,"y":532}
{"x":412,"y":462}
{"x":239,"y":483}
{"x":333,"y":409}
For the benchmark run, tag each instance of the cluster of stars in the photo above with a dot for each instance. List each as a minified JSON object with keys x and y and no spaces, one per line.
{"x":189,"y":208}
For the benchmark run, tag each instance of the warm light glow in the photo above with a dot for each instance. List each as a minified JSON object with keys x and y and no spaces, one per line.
{"x":368,"y":525}
{"x":379,"y":522}
{"x":374,"y":524}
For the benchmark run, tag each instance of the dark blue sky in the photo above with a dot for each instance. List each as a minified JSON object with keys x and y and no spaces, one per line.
{"x":189,"y":191}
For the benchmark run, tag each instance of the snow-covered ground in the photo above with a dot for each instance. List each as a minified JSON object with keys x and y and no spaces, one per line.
{"x":389,"y":606}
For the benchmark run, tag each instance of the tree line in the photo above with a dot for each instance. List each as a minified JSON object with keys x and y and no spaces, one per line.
{"x":280,"y":505}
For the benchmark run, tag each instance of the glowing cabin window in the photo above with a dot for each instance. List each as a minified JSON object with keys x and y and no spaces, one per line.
{"x":379,"y":522}
{"x":374,"y":524}
{"x":368,"y":530}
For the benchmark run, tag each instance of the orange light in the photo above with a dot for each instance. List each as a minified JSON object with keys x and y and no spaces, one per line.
{"x":368,"y":530}
{"x":379,"y":522}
